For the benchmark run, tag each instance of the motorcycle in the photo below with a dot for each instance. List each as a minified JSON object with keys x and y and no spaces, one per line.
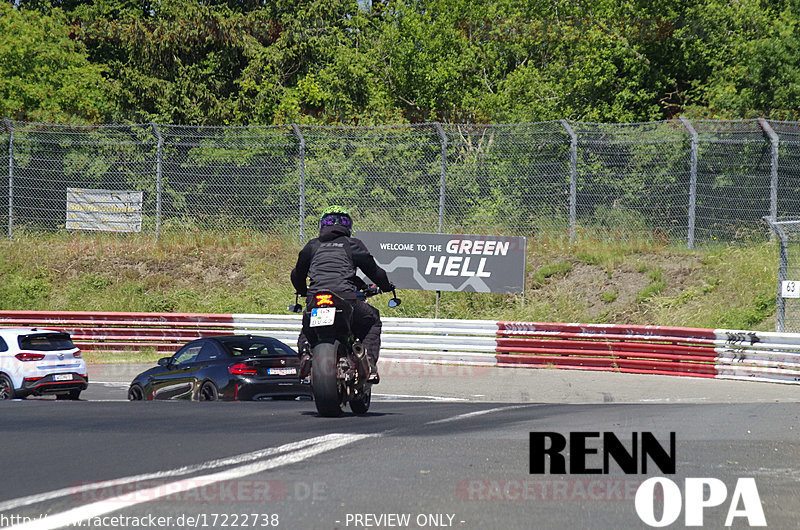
{"x":339,"y":364}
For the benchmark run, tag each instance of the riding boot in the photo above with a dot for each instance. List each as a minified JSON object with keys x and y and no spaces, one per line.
{"x":305,"y":366}
{"x":373,"y":378}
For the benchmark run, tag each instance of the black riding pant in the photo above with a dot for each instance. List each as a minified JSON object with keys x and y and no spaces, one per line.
{"x":367,"y":327}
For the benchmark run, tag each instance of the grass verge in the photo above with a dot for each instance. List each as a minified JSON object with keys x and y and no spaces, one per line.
{"x":196,"y":272}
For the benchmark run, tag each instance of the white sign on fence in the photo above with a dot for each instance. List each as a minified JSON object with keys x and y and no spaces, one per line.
{"x":790,"y":289}
{"x":109,"y":210}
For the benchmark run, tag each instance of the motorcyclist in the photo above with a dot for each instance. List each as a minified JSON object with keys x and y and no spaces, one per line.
{"x":330,"y":262}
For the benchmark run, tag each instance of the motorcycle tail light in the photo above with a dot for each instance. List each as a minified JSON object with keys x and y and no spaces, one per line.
{"x":324,"y":299}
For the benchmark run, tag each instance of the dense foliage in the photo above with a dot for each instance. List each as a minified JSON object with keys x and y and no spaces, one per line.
{"x":224,"y":62}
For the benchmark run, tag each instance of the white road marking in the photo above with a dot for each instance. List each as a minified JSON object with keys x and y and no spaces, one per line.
{"x":283,"y":455}
{"x":177,"y":472}
{"x":793,"y":474}
{"x":97,"y":509}
{"x":673,"y":400}
{"x":412,"y":399}
{"x":476,"y":413}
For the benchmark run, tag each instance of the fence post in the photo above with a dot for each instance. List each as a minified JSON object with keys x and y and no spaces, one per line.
{"x":301,"y":165}
{"x":10,"y":129}
{"x":159,"y":158}
{"x":773,"y":167}
{"x":442,"y":175}
{"x":692,"y":181}
{"x":442,"y":190}
{"x":573,"y":178}
{"x":783,"y":264}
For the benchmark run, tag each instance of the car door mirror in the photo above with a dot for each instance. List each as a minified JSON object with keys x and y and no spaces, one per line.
{"x":165,"y":362}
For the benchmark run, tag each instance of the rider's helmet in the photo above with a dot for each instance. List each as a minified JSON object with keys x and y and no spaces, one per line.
{"x":336,"y":215}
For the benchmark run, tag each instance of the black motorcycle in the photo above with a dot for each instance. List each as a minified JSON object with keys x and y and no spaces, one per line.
{"x":339,"y":363}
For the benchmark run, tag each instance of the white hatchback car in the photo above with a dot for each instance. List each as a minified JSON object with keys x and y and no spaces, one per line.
{"x":40,"y":361}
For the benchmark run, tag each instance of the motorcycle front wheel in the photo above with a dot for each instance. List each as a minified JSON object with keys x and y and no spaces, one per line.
{"x":324,"y":383}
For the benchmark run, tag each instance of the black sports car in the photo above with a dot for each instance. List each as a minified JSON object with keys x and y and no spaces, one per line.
{"x":234,"y":368}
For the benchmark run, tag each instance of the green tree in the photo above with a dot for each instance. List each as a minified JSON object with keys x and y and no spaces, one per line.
{"x":175,"y":61}
{"x":396,"y":61}
{"x":497,"y":60}
{"x":44,"y":74}
{"x":315,"y":70}
{"x":751,"y":53}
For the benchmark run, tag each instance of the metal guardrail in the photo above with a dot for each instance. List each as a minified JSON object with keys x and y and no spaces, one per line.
{"x":664,"y":350}
{"x":112,"y":332}
{"x":633,"y":349}
{"x":758,"y":356}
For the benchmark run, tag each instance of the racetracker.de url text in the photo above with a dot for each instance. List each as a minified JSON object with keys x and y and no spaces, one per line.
{"x":202,"y":520}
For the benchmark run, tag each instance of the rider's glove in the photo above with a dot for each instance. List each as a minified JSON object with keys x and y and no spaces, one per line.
{"x":371,"y":290}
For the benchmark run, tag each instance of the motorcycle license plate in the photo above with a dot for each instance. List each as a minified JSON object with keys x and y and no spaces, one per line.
{"x":322,"y":316}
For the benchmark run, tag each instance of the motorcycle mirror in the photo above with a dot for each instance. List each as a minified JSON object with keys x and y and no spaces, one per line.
{"x":394,"y":302}
{"x":295,"y":308}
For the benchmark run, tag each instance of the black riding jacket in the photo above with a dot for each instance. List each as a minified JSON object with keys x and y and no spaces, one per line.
{"x":330,"y":262}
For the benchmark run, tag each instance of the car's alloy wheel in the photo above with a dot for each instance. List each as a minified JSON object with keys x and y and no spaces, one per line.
{"x":6,"y":388}
{"x":135,"y":393}
{"x":208,"y":392}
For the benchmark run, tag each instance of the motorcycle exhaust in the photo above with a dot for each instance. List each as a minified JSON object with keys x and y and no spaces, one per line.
{"x":363,"y":363}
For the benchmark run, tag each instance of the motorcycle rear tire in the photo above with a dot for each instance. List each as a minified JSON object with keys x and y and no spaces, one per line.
{"x":324,"y":383}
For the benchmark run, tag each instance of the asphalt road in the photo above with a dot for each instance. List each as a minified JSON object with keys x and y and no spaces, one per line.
{"x":437,"y":450}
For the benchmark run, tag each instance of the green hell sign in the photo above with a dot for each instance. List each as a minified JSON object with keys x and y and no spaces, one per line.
{"x":448,"y":262}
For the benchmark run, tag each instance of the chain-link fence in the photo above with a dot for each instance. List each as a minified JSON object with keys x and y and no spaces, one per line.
{"x":679,"y":181}
{"x":788,"y":297}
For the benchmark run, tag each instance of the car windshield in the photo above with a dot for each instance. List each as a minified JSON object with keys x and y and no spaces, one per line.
{"x":46,"y":342}
{"x":254,"y":346}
